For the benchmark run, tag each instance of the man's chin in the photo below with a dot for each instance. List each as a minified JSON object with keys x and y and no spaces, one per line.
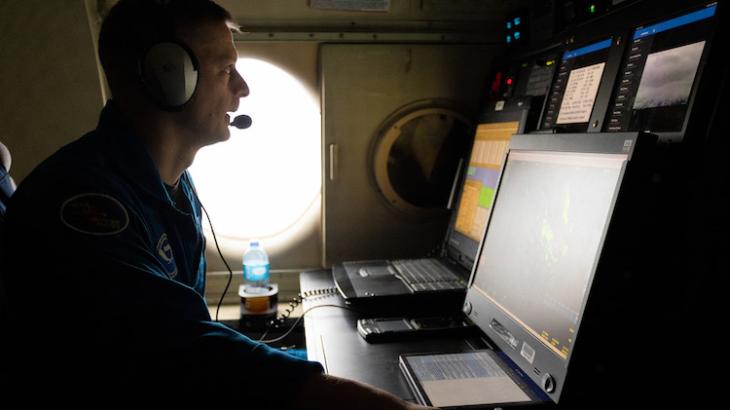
{"x":212,"y":140}
{"x":222,"y":136}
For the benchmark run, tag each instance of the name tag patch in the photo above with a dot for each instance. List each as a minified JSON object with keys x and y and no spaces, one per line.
{"x":94,"y":214}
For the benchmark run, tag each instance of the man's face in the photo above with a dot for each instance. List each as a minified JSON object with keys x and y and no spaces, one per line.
{"x":205,"y":119}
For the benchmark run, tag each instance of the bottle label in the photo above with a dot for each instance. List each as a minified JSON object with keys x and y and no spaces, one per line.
{"x":256,"y":273}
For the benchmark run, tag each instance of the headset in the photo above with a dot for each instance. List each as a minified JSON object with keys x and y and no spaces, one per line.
{"x":168,"y":69}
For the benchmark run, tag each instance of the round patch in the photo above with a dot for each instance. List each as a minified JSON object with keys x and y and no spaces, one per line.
{"x":94,"y":214}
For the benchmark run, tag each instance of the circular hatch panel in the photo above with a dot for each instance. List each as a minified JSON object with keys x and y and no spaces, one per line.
{"x":416,"y":158}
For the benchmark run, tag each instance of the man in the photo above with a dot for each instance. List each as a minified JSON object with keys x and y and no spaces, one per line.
{"x":119,"y":310}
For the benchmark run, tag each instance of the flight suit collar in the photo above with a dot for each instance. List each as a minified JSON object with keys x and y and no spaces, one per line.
{"x":130,"y":155}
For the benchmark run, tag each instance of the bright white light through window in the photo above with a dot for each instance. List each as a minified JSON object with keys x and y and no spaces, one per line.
{"x":264,"y":180}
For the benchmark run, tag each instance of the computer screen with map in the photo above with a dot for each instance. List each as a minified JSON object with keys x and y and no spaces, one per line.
{"x":542,"y":246}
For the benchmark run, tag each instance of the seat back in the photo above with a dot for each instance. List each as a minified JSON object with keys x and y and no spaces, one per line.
{"x":7,"y":187}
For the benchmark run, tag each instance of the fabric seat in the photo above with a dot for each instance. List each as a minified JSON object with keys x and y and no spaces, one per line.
{"x":7,"y":187}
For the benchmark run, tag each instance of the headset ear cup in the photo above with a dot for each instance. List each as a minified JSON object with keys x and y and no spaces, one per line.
{"x":169,"y":74}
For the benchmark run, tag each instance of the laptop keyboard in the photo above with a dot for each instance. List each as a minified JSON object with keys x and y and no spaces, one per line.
{"x":427,"y":275}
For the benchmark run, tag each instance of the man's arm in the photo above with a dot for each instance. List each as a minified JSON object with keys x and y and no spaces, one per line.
{"x":328,"y":392}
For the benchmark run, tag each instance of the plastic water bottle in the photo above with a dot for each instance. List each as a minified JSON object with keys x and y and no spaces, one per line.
{"x":256,"y":268}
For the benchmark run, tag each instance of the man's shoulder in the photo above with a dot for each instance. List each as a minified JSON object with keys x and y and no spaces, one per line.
{"x":76,"y":157}
{"x":77,"y":168}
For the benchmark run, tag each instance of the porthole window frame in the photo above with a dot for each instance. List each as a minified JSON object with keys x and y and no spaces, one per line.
{"x":383,"y":142}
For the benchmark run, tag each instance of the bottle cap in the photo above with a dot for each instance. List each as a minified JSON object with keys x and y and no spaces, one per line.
{"x":254,"y":244}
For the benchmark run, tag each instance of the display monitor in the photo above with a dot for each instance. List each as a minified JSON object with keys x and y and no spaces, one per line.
{"x":659,"y":74}
{"x":544,"y":239}
{"x":481,"y":174}
{"x":535,"y":76}
{"x":524,"y":83}
{"x":575,"y":89}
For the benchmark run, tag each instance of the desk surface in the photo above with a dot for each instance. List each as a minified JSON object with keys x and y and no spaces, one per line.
{"x":333,"y":340}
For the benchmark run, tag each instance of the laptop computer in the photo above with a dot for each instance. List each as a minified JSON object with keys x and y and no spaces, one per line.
{"x":448,"y":272}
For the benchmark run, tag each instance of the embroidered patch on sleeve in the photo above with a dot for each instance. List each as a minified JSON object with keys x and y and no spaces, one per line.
{"x":94,"y":214}
{"x":164,"y":251}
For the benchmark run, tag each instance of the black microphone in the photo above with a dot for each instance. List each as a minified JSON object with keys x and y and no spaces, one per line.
{"x":241,"y":122}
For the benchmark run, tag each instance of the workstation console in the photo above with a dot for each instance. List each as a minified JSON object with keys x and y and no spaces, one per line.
{"x":570,"y":292}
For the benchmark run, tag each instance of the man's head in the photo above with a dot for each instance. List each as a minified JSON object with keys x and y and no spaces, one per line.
{"x":133,"y":27}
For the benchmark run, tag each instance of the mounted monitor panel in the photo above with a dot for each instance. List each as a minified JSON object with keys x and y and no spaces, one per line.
{"x":524,"y":83}
{"x":582,"y":87}
{"x":526,"y":75}
{"x":660,"y":73}
{"x":551,"y":216}
{"x":535,"y":75}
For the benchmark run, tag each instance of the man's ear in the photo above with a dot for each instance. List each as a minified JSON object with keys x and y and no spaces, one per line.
{"x":169,"y":74}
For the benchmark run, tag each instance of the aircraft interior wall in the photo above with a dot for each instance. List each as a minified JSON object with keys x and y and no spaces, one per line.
{"x":51,"y":92}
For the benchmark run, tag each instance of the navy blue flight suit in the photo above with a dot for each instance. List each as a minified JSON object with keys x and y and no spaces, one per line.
{"x":105,"y":274}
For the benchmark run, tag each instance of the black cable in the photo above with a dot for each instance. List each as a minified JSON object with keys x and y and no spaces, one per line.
{"x":261,"y":340}
{"x":297,"y":300}
{"x":230,"y":272}
{"x":281,"y":320}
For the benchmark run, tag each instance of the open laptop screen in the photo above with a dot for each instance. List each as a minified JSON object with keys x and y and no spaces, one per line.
{"x":476,"y":191}
{"x":480,"y":183}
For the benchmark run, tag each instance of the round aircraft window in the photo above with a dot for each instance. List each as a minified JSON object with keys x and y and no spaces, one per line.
{"x":265,"y":182}
{"x":416,"y":158}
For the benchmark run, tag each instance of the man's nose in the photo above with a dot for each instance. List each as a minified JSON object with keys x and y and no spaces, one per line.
{"x":241,"y":88}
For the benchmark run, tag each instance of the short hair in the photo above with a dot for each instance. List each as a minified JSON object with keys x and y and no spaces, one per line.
{"x":132,"y":26}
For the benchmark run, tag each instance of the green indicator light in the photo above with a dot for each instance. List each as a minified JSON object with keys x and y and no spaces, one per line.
{"x":592,"y":8}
